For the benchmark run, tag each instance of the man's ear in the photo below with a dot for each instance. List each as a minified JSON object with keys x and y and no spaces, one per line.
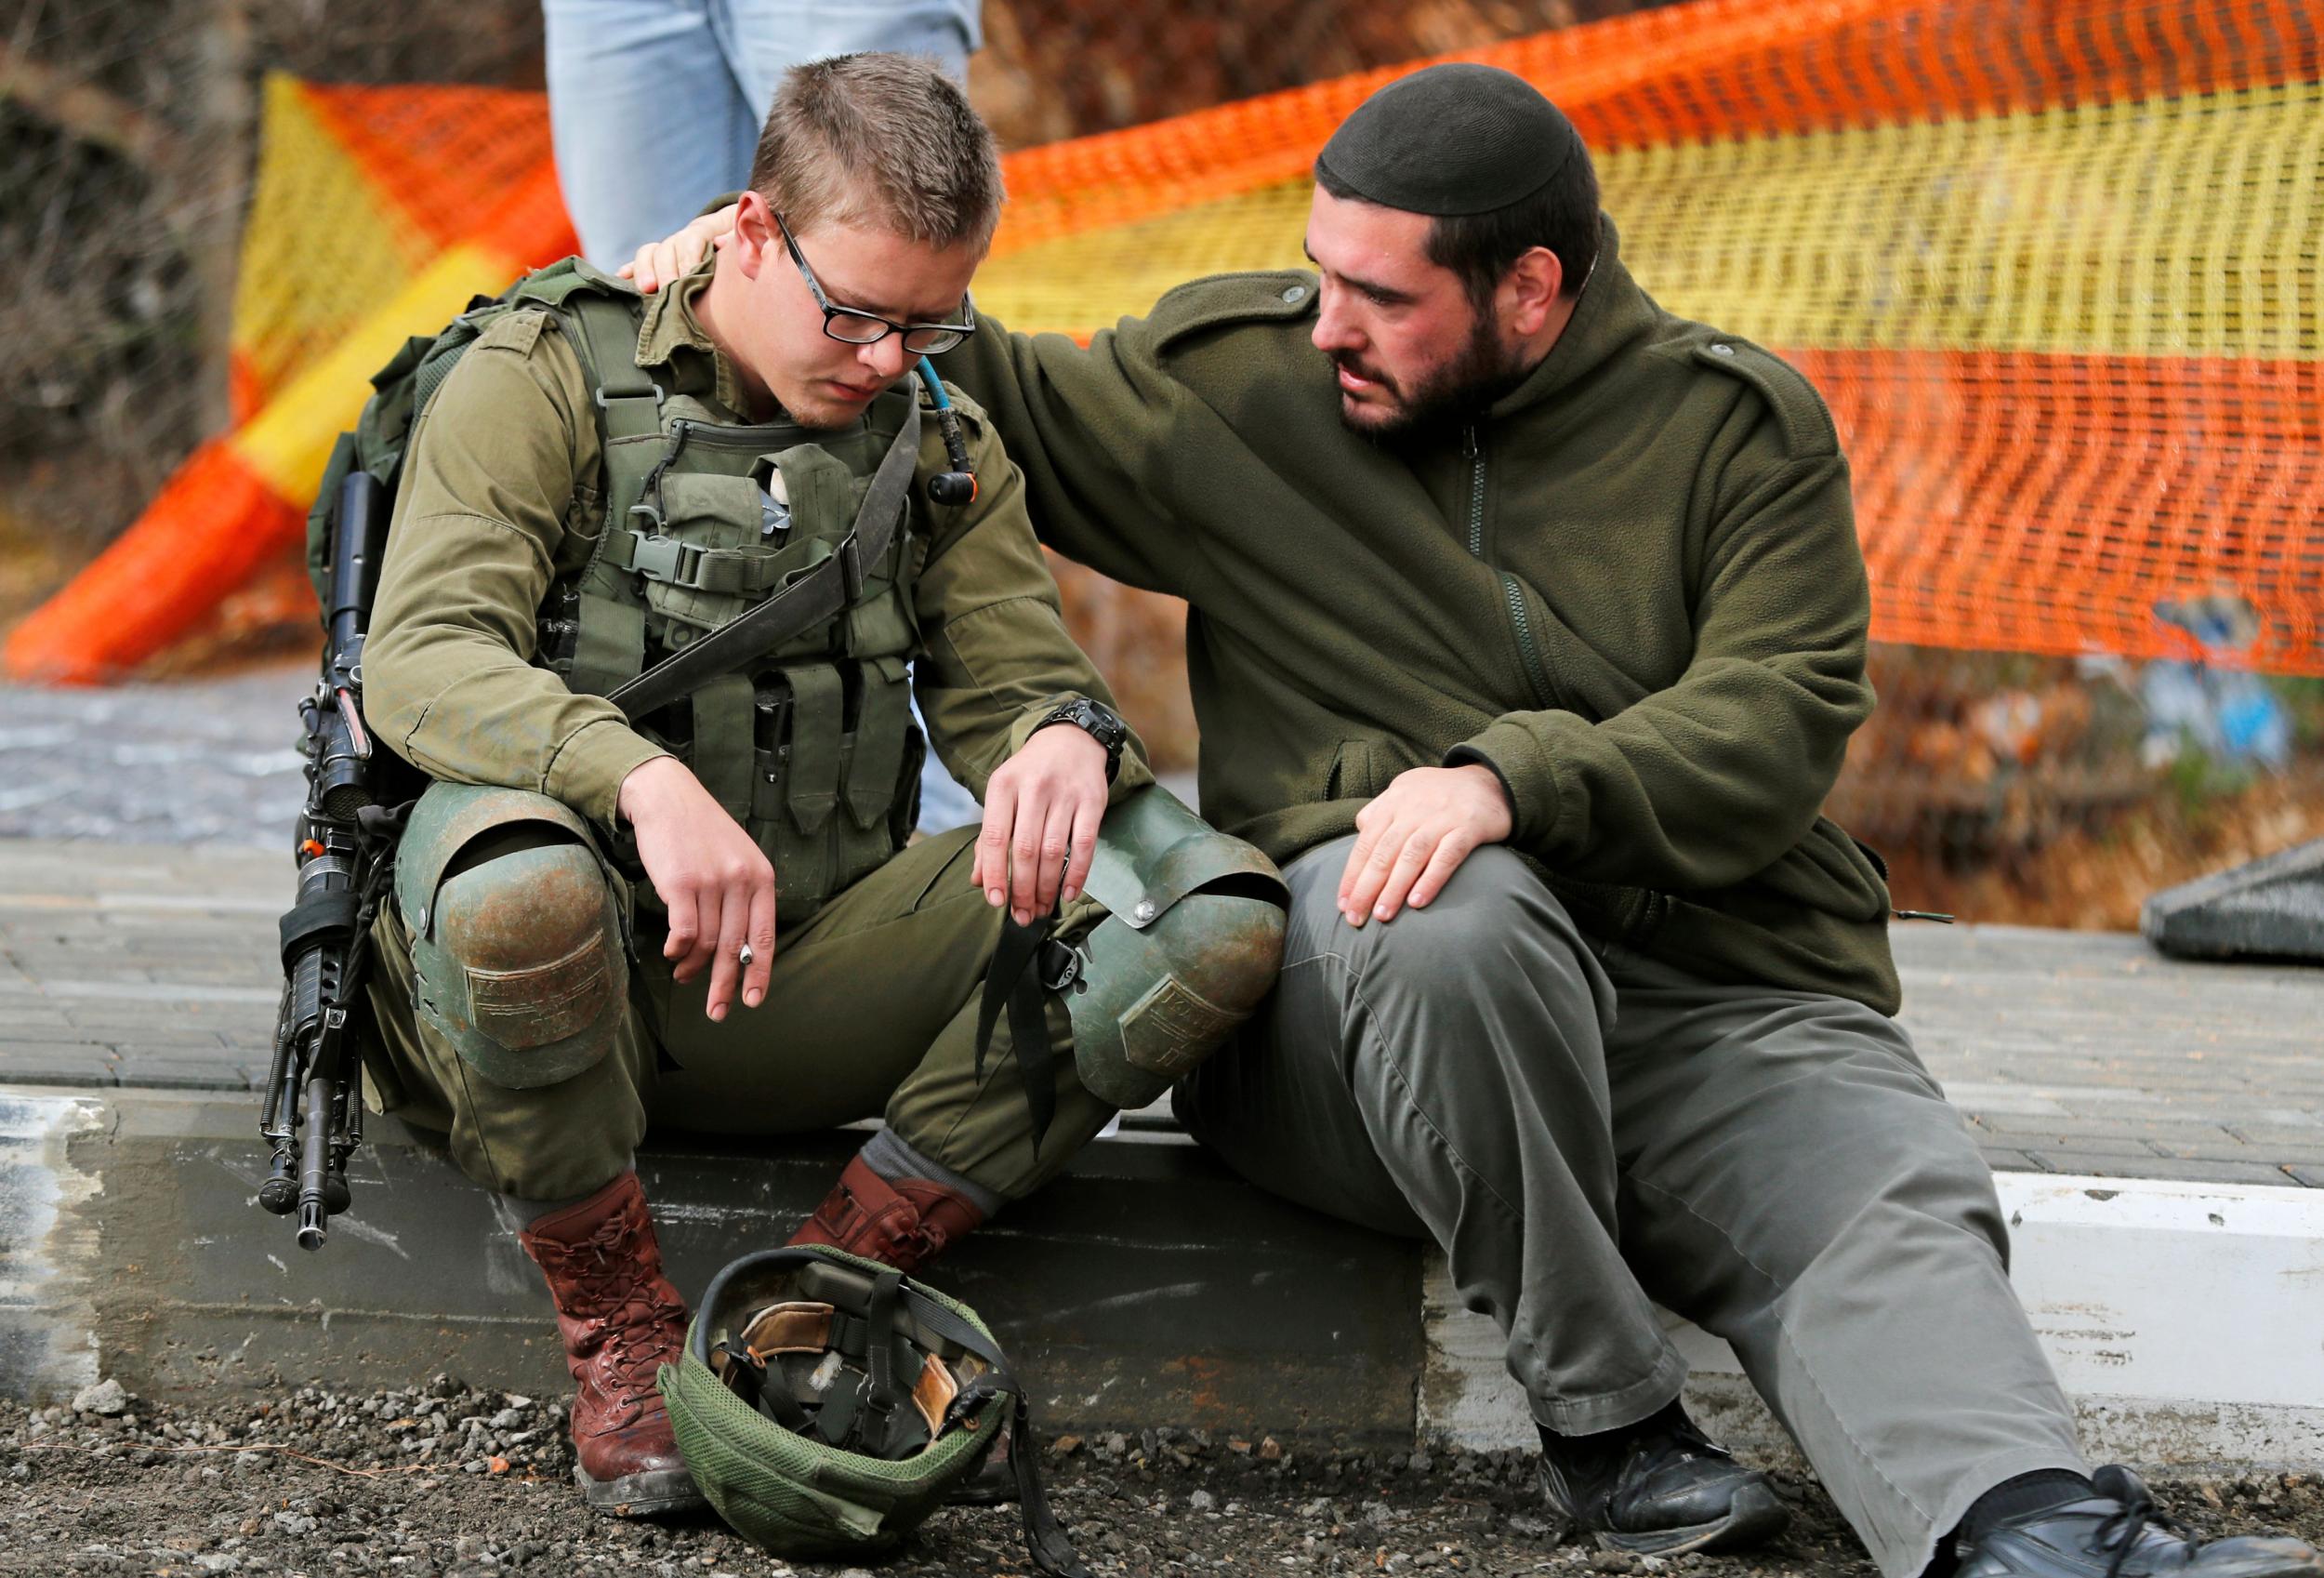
{"x":1529,"y":291}
{"x":756,"y":239}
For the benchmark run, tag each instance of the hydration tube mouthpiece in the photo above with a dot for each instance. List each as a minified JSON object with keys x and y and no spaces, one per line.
{"x":957,"y":485}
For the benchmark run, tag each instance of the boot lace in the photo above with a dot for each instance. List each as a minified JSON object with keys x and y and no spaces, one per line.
{"x":2120,"y":1533}
{"x":641,"y":1308}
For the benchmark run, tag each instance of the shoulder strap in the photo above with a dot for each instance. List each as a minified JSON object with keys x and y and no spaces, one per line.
{"x":609,"y":638}
{"x":814,"y":599}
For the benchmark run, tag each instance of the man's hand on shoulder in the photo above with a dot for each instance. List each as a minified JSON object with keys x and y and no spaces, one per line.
{"x":1042,"y":813}
{"x":658,"y":262}
{"x":713,"y":878}
{"x":1412,"y":838}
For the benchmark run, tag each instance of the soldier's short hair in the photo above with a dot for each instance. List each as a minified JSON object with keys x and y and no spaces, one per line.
{"x":880,"y":139}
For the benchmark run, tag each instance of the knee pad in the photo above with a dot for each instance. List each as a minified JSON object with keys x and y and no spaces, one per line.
{"x":517,"y":939}
{"x":1191,"y":943}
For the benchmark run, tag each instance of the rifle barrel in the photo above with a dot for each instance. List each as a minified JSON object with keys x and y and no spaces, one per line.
{"x":315,"y":1164}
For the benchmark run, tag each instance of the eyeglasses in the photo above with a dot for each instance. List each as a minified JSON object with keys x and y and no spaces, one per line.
{"x":851,"y":325}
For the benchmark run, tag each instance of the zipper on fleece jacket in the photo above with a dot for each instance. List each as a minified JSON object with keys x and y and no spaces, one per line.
{"x":1536,"y":675}
{"x":1471,"y":452}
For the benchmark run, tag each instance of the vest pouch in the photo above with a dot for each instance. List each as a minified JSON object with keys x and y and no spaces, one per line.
{"x":883,"y":622}
{"x":802,"y":877}
{"x":862,"y":837}
{"x":823,"y":491}
{"x":798,"y":837}
{"x":770,"y":747}
{"x":904,"y":816}
{"x":883,"y":728}
{"x":710,"y":559}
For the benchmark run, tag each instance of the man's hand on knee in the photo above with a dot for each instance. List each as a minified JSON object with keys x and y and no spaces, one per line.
{"x":713,"y":878}
{"x":1411,"y":839}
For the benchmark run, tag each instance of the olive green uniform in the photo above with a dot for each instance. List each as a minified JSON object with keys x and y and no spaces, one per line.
{"x":1642,"y":1051}
{"x":871,"y":1000}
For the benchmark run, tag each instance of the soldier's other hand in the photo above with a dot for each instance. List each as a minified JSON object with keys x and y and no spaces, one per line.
{"x":712,"y":877}
{"x":658,"y":262}
{"x":1412,"y":838}
{"x":1041,"y":815}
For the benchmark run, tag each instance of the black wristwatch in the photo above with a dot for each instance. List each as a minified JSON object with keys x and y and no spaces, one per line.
{"x":1100,"y":722}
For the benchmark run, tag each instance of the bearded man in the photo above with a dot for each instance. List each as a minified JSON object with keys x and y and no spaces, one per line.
{"x":1527,"y":629}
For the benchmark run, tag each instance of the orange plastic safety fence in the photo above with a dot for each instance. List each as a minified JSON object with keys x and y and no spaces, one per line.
{"x":2058,"y":265}
{"x":1716,"y":69}
{"x":2035,"y":503}
{"x":446,"y":156}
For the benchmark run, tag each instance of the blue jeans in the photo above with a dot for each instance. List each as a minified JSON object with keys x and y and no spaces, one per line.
{"x":655,"y":106}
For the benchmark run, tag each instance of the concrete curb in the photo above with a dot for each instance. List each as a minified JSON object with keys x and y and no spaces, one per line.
{"x":1149,"y":1287}
{"x":2187,"y":1321}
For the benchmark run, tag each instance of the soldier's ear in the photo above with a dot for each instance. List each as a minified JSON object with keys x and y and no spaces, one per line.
{"x":757,"y":242}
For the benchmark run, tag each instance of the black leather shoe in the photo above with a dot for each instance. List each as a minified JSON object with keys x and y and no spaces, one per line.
{"x":2120,"y":1535}
{"x":1665,"y":1489}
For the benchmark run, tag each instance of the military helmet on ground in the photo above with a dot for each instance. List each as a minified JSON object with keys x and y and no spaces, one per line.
{"x":825,"y":1404}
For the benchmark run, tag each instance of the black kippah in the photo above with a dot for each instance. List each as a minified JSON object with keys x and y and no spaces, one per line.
{"x":1456,"y":139}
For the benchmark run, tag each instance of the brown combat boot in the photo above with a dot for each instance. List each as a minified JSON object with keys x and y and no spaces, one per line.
{"x":904,"y":1221}
{"x":621,"y":1320}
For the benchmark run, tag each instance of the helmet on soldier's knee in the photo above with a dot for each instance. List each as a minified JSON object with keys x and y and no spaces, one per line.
{"x":516,"y":931}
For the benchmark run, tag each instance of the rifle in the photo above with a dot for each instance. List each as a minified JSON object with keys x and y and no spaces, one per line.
{"x":312,"y":1111}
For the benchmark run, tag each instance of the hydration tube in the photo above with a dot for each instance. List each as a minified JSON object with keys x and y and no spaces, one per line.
{"x":957,"y":485}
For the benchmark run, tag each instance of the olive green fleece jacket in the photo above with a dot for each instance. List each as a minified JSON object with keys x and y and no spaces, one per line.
{"x":1631,"y":586}
{"x":503,"y":495}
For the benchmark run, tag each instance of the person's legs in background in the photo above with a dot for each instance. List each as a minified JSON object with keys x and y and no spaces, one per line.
{"x":765,"y":38}
{"x":648,"y":118}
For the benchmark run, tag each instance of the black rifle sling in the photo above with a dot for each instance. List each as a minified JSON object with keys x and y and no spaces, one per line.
{"x":1050,"y":1547}
{"x":1022,"y":958}
{"x":815,"y":598}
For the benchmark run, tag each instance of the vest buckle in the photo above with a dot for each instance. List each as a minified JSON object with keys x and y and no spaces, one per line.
{"x":656,"y":558}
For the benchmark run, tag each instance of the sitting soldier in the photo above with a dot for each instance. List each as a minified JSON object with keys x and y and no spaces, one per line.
{"x":603,"y":482}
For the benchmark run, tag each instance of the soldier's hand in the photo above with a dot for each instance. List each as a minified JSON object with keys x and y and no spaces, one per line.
{"x":658,"y":262}
{"x":712,"y":877}
{"x":1041,"y":815}
{"x":1411,"y":839}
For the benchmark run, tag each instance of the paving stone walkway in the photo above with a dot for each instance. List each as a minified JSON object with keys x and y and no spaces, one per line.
{"x":2077,"y":1053}
{"x":208,"y":761}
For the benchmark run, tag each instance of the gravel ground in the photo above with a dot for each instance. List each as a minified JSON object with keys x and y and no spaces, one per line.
{"x":442,"y":1482}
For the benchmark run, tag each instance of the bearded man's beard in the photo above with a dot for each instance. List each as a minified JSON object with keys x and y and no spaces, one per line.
{"x":1450,"y":395}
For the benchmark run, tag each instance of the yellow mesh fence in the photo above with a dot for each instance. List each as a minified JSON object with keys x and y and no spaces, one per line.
{"x":359,"y":190}
{"x":2055,"y":263}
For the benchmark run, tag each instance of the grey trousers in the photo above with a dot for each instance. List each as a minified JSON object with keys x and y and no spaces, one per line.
{"x":1588,"y":1133}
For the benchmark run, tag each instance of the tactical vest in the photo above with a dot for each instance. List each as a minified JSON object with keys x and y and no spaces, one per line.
{"x":811,"y":748}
